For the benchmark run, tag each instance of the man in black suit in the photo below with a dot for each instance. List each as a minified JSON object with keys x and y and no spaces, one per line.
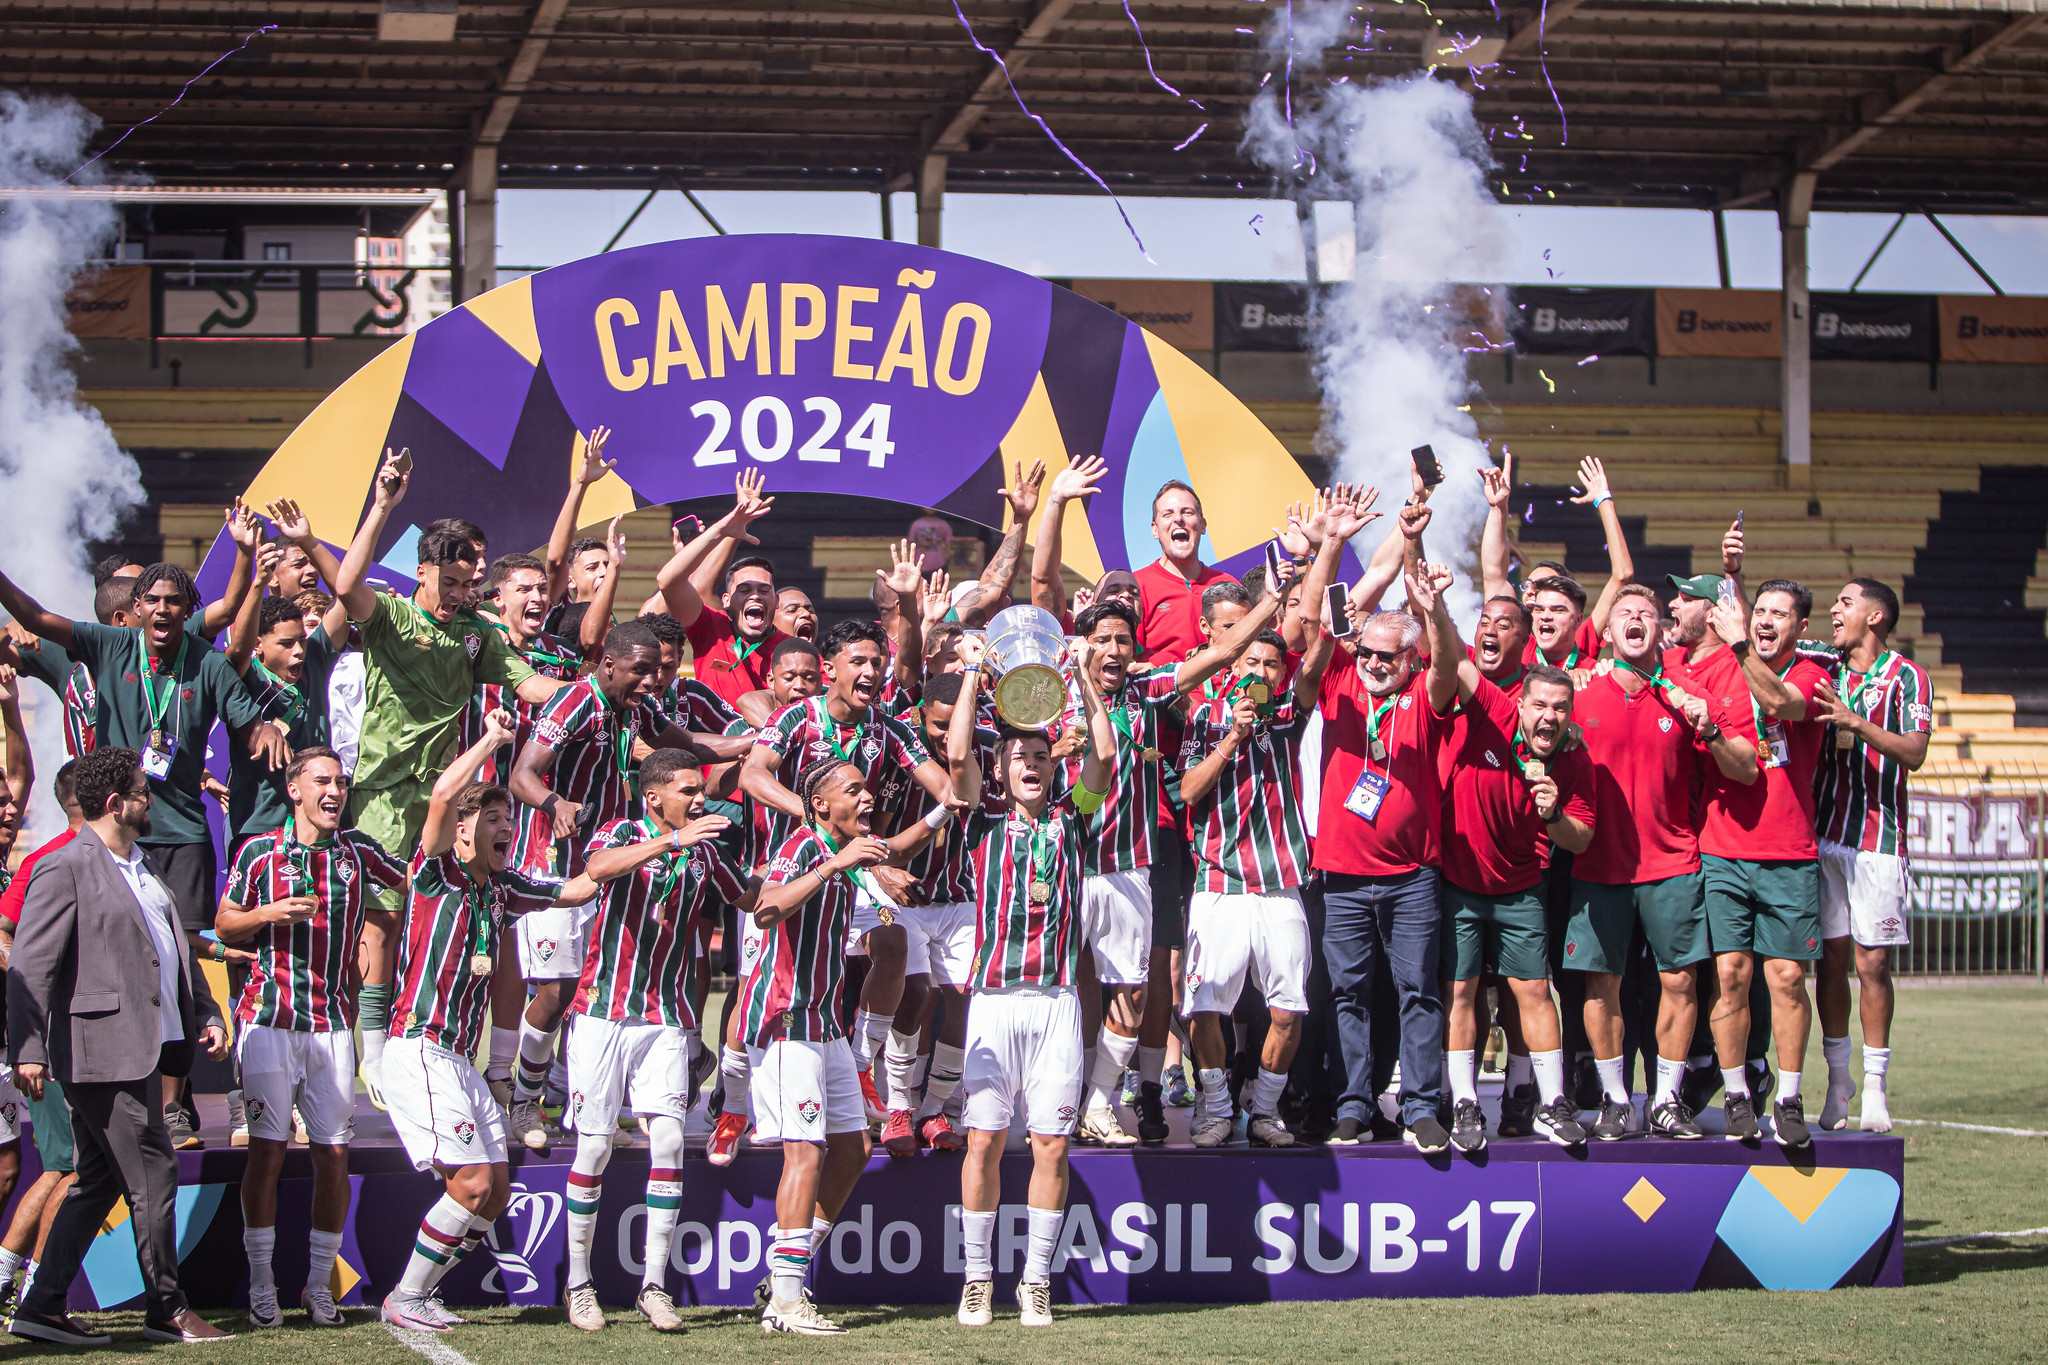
{"x":104,"y":996}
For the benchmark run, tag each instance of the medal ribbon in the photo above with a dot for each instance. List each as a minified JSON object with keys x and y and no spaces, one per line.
{"x":621,"y":735}
{"x":159,"y":707}
{"x":1843,"y":673}
{"x":1044,"y":848}
{"x":476,"y":900}
{"x":532,"y":654}
{"x":294,"y":699}
{"x":1655,"y":679}
{"x":858,"y":875}
{"x":674,"y":864}
{"x":829,"y":727}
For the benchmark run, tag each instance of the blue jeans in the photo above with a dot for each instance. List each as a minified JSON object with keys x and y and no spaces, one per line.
{"x":1392,"y":923}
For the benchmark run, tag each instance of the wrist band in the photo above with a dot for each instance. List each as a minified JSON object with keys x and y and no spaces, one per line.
{"x":548,"y":806}
{"x":939,"y":815}
{"x":1604,"y":497}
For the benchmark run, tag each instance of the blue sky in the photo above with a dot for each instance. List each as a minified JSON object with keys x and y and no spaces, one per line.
{"x":1076,"y":235}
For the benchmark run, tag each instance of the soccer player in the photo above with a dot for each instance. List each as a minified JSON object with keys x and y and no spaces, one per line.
{"x":285,"y":669}
{"x":295,"y":896}
{"x":795,"y":616}
{"x":807,"y":1094}
{"x":423,"y":658}
{"x":1024,"y":1031}
{"x":1649,"y":742}
{"x":1566,"y":635}
{"x":733,"y":641}
{"x":462,"y":890}
{"x":635,"y":1006}
{"x":1879,"y":707}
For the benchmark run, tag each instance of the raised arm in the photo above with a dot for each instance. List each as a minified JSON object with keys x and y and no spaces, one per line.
{"x":437,"y":834}
{"x":1098,"y":762}
{"x":1222,"y":650}
{"x":1334,"y":519}
{"x":1446,"y":650}
{"x":591,"y":467}
{"x":597,"y":617}
{"x":690,"y":578}
{"x":1076,"y":483}
{"x":248,"y":621}
{"x":21,"y":760}
{"x":1621,"y":569}
{"x":610,"y":864}
{"x":748,"y":506}
{"x":351,"y":581}
{"x":993,"y":590}
{"x":758,"y":781}
{"x":961,"y":761}
{"x":247,"y":533}
{"x":30,"y":614}
{"x":897,"y":599}
{"x":1494,"y":551}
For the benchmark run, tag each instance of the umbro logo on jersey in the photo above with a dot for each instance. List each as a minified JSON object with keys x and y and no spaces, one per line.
{"x":1664,"y":724}
{"x":1067,"y":1113}
{"x":1492,"y":759}
{"x":820,"y":749}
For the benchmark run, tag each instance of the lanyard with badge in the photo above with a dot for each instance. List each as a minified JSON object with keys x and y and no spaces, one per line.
{"x":1845,"y":738}
{"x":1372,"y":787}
{"x":1044,"y":851}
{"x":1775,"y":748}
{"x":156,"y":758}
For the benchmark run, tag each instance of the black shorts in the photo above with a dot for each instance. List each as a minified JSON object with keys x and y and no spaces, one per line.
{"x":188,"y":870}
{"x":1173,"y":883}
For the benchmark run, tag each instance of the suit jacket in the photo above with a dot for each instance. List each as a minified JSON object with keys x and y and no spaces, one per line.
{"x":82,"y":985}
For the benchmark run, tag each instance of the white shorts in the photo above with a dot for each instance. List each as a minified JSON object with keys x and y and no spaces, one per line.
{"x":1863,"y":896}
{"x":1024,"y":1041}
{"x":1116,"y":922}
{"x":315,"y":1071}
{"x":441,"y":1107}
{"x":941,"y":941}
{"x":551,"y":943}
{"x":1232,"y":936}
{"x":11,"y":1107}
{"x":805,"y":1092}
{"x":612,"y":1060}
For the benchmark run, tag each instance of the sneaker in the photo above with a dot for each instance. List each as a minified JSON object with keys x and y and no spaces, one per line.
{"x":1427,"y":1136}
{"x":438,"y":1311}
{"x":1128,"y":1090}
{"x":10,"y":1295}
{"x":974,"y":1303}
{"x":724,"y":1143}
{"x":1673,"y":1120}
{"x":1518,"y":1111}
{"x":1151,"y":1107}
{"x":1347,"y":1133}
{"x":410,"y":1311}
{"x":263,"y":1309}
{"x":321,"y":1309}
{"x":372,"y":1071}
{"x":184,"y":1133}
{"x":940,"y":1135}
{"x":800,"y":1316}
{"x":1559,"y":1122}
{"x":1698,"y":1087}
{"x":1877,"y":1109}
{"x":1586,"y":1090}
{"x":1264,"y":1130}
{"x":658,"y":1308}
{"x":764,"y":1290}
{"x":581,"y":1301}
{"x":182,"y":1327}
{"x":501,"y":1091}
{"x":1617,"y":1119}
{"x":1100,"y":1126}
{"x":238,"y":1120}
{"x":1468,"y":1126}
{"x":621,"y":1139}
{"x":1034,"y":1303}
{"x":1212,"y":1126}
{"x":1739,"y":1114}
{"x":871,"y":1098}
{"x":528,"y":1129}
{"x":1788,"y":1123}
{"x":899,"y":1134}
{"x":60,"y":1330}
{"x":1178,"y":1095}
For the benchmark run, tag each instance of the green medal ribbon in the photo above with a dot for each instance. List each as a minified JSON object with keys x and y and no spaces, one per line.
{"x":858,"y":875}
{"x":294,"y":699}
{"x":830,"y":727}
{"x":1044,"y":848}
{"x":1843,"y":673}
{"x":159,"y":705}
{"x":674,"y":865}
{"x":476,"y":900}
{"x":621,"y":735}
{"x":1656,"y":679}
{"x":533,"y":654}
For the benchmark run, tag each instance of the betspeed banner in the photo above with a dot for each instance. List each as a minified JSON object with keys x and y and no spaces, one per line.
{"x":1991,"y":330}
{"x":1729,"y":323}
{"x":1873,"y":326}
{"x":1583,"y":321}
{"x":1262,"y":317}
{"x":1181,"y":313}
{"x":113,"y":302}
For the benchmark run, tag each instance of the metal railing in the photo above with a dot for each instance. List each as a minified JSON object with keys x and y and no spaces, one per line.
{"x":280,"y":300}
{"x":1978,"y":864}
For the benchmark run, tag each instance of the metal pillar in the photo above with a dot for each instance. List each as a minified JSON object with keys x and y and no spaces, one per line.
{"x":931,"y":197}
{"x":480,"y":223}
{"x":1795,"y":390}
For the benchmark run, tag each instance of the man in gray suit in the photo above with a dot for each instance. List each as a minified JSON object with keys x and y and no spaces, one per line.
{"x":103,"y":995}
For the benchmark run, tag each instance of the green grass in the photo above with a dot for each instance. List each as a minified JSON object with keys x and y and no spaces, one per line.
{"x":1973,"y":1054}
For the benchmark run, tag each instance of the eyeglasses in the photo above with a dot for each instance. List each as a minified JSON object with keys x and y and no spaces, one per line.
{"x":1389,"y":657}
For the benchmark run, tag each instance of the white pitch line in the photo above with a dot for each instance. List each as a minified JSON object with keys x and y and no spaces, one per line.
{"x":1974,"y":1127}
{"x":428,"y":1345}
{"x":1978,"y":1237}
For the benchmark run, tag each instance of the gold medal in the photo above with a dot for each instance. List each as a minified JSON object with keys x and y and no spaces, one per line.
{"x":480,"y":964}
{"x":886,"y":915}
{"x":1041,"y":892}
{"x":1258,"y":692}
{"x":1149,"y":755}
{"x":1844,"y":739}
{"x":1532,"y":770}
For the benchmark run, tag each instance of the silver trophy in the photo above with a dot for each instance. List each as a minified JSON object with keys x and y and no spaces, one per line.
{"x":1026,"y":653}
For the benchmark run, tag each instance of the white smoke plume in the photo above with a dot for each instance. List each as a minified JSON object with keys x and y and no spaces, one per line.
{"x":63,"y":479}
{"x":1409,"y":156}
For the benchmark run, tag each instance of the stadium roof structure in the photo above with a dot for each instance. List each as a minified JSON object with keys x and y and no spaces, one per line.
{"x":1896,"y":104}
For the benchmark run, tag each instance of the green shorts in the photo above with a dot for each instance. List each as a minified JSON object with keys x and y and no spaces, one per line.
{"x":1604,"y":920}
{"x":50,"y":1122}
{"x":394,"y":817}
{"x":1772,"y":908}
{"x":1498,"y":933}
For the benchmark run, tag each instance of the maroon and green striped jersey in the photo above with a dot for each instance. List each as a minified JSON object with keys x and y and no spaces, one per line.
{"x":756,"y":825}
{"x":688,"y":705}
{"x":1859,"y":795}
{"x":804,"y":732}
{"x":1250,"y":835}
{"x":546,"y":656}
{"x":592,"y":739}
{"x":303,"y":979}
{"x":449,"y":920}
{"x":1021,"y":940}
{"x":792,"y":991}
{"x":643,"y":960}
{"x":944,"y":867}
{"x":1120,"y":836}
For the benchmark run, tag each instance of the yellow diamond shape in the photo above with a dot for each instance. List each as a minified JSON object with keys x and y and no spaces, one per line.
{"x":342,"y":1279}
{"x":1801,"y":1192}
{"x":1643,"y":1199}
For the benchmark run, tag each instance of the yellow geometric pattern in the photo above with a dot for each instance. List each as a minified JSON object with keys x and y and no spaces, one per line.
{"x":328,"y":462}
{"x":344,"y":1278}
{"x":508,"y":311}
{"x":1801,"y":1192}
{"x":1643,"y":1199}
{"x":1035,"y":435}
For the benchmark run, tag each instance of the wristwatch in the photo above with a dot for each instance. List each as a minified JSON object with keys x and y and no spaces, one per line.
{"x":1711,"y":733}
{"x":1741,"y":648}
{"x":1554,"y":816}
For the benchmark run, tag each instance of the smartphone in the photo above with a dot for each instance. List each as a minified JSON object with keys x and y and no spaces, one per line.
{"x":1426,"y":465}
{"x":403,"y":463}
{"x":1277,"y":567}
{"x":1340,"y":616}
{"x":1738,"y":518}
{"x":686,"y":527}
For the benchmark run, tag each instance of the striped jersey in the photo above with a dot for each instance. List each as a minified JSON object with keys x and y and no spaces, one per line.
{"x":749,"y":838}
{"x":53,"y":666}
{"x":792,"y":990}
{"x":1018,"y":939}
{"x":1250,"y":835}
{"x":642,"y":961}
{"x":1859,"y":795}
{"x":688,"y":705}
{"x":449,"y":920}
{"x":944,"y":867}
{"x":545,"y":655}
{"x":1120,"y":836}
{"x":804,"y":732}
{"x":592,"y":739}
{"x":303,"y":979}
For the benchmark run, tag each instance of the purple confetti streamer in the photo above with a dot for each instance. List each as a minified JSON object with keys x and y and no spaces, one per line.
{"x":1147,"y":47}
{"x":1046,"y":128}
{"x":1542,"y":60}
{"x":1191,"y":137}
{"x":253,"y":35}
{"x":1587,"y":361}
{"x":1254,"y":222}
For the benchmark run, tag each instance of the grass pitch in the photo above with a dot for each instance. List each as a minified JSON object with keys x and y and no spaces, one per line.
{"x":1972,"y":1054}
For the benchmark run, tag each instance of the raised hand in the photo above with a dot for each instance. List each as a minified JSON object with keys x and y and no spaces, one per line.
{"x":617,"y":537}
{"x":1079,"y":479}
{"x":10,"y":686}
{"x":498,"y":726}
{"x":393,"y":476}
{"x":1732,"y":548}
{"x":594,"y":465}
{"x":1593,"y":477}
{"x":969,"y":649}
{"x":749,"y":506}
{"x":702,"y":828}
{"x":1022,"y":494}
{"x":1304,"y":526}
{"x":291,"y":522}
{"x":1422,"y":591}
{"x":1497,"y":488}
{"x":1350,"y":511}
{"x":902,"y":577}
{"x":1414,"y":517}
{"x":937,"y":598}
{"x":267,"y":559}
{"x":243,"y":527}
{"x":1084,"y":598}
{"x":1727,"y":624}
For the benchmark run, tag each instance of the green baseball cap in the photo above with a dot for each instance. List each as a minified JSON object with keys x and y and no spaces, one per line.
{"x":1706,"y":586}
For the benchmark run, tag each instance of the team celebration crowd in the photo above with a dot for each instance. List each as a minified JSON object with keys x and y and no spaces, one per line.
{"x":1285,"y":859}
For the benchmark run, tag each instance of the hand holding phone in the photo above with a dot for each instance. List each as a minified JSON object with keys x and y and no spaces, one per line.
{"x":1338,"y":599}
{"x":1427,"y":466}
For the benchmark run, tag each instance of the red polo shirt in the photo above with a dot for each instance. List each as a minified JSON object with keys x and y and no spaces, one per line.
{"x":1494,"y":841}
{"x":716,"y":653}
{"x":1585,"y":643}
{"x":1649,"y":774}
{"x":1770,"y":819}
{"x":17,"y":889}
{"x":1170,"y":610}
{"x":1402,"y":836}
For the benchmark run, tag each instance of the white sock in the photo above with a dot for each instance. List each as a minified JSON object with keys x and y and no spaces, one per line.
{"x":821,"y":1228}
{"x":1265,"y":1096}
{"x":585,"y":1189}
{"x":1113,"y":1053}
{"x":1548,"y":1068}
{"x":789,"y":1264}
{"x":257,"y":1245}
{"x":1836,"y":1053}
{"x":373,"y":1047}
{"x":1611,"y":1084}
{"x":737,"y":1074}
{"x":899,"y":1063}
{"x":1735,"y":1079}
{"x":536,"y":1059}
{"x":943,"y":1079}
{"x":1788,"y":1085}
{"x":28,"y":1280}
{"x":321,"y":1249}
{"x":1876,"y":1062}
{"x":10,"y":1263}
{"x":1461,"y":1069}
{"x":664,"y":1194}
{"x":1669,"y":1075}
{"x":436,"y":1246}
{"x":1214,"y":1097}
{"x":1151,"y":1063}
{"x":978,"y":1230}
{"x":1519,"y":1073}
{"x":1045,"y":1235}
{"x":504,"y":1047}
{"x":869,"y":1029}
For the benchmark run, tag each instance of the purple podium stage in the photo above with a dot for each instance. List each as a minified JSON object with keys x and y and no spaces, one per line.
{"x":1164,"y":1225}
